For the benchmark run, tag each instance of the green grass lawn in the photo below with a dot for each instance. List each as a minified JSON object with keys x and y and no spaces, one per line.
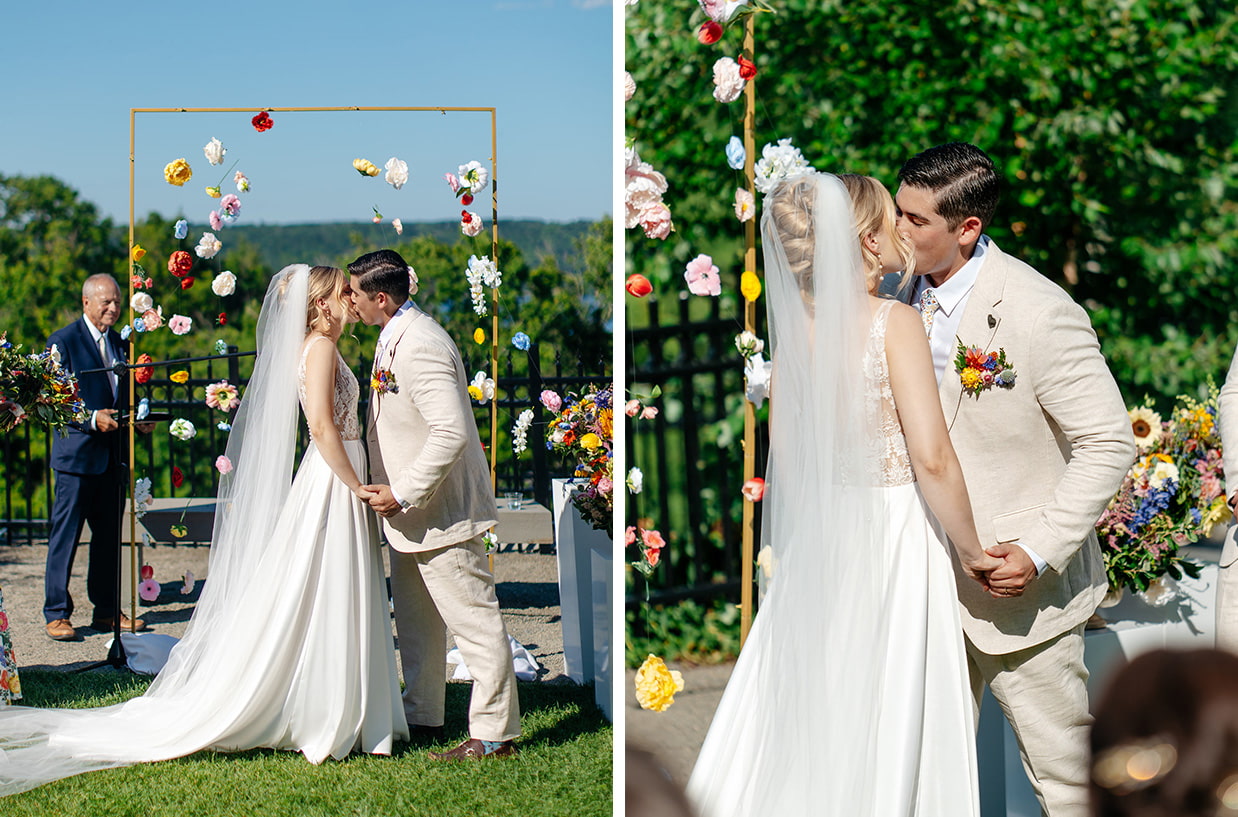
{"x":564,"y":768}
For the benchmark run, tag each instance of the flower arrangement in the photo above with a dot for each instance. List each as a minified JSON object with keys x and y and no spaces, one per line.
{"x":979,"y":370}
{"x":584,"y":430}
{"x":35,"y":386}
{"x":1173,"y":495}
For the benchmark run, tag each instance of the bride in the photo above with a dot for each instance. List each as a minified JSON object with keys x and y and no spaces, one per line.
{"x":851,"y":694}
{"x":290,"y":646}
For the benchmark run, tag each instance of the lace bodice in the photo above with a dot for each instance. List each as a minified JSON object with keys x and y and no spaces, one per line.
{"x":888,"y":440}
{"x":344,"y":410}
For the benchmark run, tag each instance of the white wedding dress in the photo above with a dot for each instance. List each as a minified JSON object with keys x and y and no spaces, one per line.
{"x":857,"y":705}
{"x":293,"y":651}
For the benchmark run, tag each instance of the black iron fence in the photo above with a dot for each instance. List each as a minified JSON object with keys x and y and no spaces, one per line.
{"x":691,"y":454}
{"x":186,"y":468}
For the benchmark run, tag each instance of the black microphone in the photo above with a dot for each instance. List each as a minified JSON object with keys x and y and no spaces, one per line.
{"x":890,"y":284}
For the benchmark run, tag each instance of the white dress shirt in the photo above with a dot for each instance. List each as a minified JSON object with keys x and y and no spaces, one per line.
{"x":108,"y":360}
{"x":384,"y":337}
{"x":943,"y":338}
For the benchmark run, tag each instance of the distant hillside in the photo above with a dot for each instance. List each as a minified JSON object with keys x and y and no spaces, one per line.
{"x":281,"y":244}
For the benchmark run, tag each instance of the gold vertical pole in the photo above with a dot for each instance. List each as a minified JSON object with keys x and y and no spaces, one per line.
{"x":494,"y":310}
{"x":133,"y":519}
{"x":750,"y":319}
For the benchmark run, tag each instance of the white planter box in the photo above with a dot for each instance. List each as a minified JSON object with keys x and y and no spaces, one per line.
{"x":586,"y":582}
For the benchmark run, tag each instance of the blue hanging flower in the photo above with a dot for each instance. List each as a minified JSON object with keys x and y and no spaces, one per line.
{"x":126,"y":331}
{"x":735,"y":153}
{"x":182,"y":229}
{"x":139,"y":325}
{"x":221,"y":348}
{"x":223,"y":426}
{"x":521,"y":341}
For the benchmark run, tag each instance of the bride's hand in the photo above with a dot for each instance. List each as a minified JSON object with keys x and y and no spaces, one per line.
{"x":363,"y":494}
{"x":978,"y":569}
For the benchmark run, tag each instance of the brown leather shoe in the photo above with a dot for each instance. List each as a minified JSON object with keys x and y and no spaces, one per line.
{"x":474,"y":749}
{"x":107,"y":624}
{"x":61,"y":630}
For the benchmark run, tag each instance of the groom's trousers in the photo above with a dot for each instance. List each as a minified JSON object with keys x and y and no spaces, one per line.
{"x":453,"y":586}
{"x":1043,"y":692}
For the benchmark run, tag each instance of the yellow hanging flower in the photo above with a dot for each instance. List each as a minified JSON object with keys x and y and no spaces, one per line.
{"x":479,"y":336}
{"x":137,"y":253}
{"x":750,"y":285}
{"x":177,"y":173}
{"x":475,"y":393}
{"x":365,"y":167}
{"x":590,"y":441}
{"x":213,"y":192}
{"x":181,"y":376}
{"x":656,"y":685}
{"x":178,"y":531}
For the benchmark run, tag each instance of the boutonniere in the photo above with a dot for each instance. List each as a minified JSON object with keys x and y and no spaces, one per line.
{"x":979,"y":370}
{"x":383,"y":382}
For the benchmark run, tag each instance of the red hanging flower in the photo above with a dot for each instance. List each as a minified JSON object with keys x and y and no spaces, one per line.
{"x":747,"y":68}
{"x":754,"y":489}
{"x":178,"y":479}
{"x":263,"y":122}
{"x":148,"y":572}
{"x":187,"y":282}
{"x":638,"y":285}
{"x":143,"y":374}
{"x":709,"y":32}
{"x":222,"y":319}
{"x":466,"y":199}
{"x":179,"y":263}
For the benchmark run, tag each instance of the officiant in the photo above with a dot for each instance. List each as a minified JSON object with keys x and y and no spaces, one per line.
{"x":87,"y":462}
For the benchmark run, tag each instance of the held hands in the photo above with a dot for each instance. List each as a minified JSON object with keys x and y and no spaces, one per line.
{"x":980,"y":568}
{"x":1016,"y":571}
{"x":363,"y":494}
{"x":381,"y":500}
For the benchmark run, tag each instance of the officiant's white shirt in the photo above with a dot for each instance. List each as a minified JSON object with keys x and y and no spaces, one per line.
{"x":943,"y":341}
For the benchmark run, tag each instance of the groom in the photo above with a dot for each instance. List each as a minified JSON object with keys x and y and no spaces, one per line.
{"x":432,"y":488}
{"x":1042,"y":457}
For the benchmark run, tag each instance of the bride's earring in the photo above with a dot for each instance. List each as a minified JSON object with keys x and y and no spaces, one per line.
{"x":879,"y":267}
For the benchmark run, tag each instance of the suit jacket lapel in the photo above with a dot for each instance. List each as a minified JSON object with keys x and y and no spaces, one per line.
{"x":384,"y":361}
{"x":978,"y":327}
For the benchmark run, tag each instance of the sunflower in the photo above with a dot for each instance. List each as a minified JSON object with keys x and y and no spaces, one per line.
{"x":1146,"y":426}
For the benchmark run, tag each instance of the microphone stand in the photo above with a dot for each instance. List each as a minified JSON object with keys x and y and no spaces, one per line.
{"x":116,"y":657}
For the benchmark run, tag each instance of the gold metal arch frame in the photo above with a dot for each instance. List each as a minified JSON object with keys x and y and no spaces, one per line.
{"x":494,"y":293}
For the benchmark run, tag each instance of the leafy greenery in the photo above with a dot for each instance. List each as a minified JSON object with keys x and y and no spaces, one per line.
{"x":687,"y":631}
{"x":564,"y":768}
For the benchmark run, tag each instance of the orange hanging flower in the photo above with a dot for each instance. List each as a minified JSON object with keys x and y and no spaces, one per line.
{"x":143,"y":373}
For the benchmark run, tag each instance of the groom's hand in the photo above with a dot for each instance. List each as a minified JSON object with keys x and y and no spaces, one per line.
{"x":381,"y":500}
{"x":1012,"y":577}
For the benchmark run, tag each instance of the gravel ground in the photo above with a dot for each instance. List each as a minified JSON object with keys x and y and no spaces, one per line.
{"x":527,"y":586}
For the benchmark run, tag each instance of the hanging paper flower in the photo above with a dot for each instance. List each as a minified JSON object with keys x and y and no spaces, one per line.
{"x":188,"y":585}
{"x":721,"y":11}
{"x":179,"y":263}
{"x":745,"y":204}
{"x":452,"y":182}
{"x":482,"y":388}
{"x":178,"y":531}
{"x":224,"y":284}
{"x":479,"y":336}
{"x":399,"y":226}
{"x":521,"y":341}
{"x":631,"y":408}
{"x":466,"y":199}
{"x":182,"y":429}
{"x":649,"y":412}
{"x":644,"y":188}
{"x":262,"y":122}
{"x":151,"y":319}
{"x":551,"y":400}
{"x":378,"y":217}
{"x":181,"y":229}
{"x":221,"y":319}
{"x":187,"y":282}
{"x":728,"y":84}
{"x":180,"y":324}
{"x":754,"y":489}
{"x":177,"y":173}
{"x":178,"y":478}
{"x":747,"y":68}
{"x":126,"y":331}
{"x":365,"y":167}
{"x":638,"y":285}
{"x":474,"y":176}
{"x":213,"y":191}
{"x":735,"y":153}
{"x":147,"y":572}
{"x":242,"y":182}
{"x":750,"y":285}
{"x":148,"y":590}
{"x":779,"y":163}
{"x":142,"y":498}
{"x":143,"y":373}
{"x":223,"y":465}
{"x":231,"y":204}
{"x":470,"y":224}
{"x":629,"y":87}
{"x":702,"y":276}
{"x":223,"y":426}
{"x":481,"y":272}
{"x":709,"y":33}
{"x":636,"y":480}
{"x":397,"y":172}
{"x":756,"y":379}
{"x":222,"y":395}
{"x":208,"y":246}
{"x":180,"y":376}
{"x":215,"y":151}
{"x":139,"y":282}
{"x":215,"y":221}
{"x":413,"y":280}
{"x":656,"y":685}
{"x":141,"y":302}
{"x":520,"y":431}
{"x":749,"y":344}
{"x":137,"y":253}
{"x":221,"y":347}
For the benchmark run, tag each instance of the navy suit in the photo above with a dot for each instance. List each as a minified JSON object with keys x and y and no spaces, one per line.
{"x":88,"y":472}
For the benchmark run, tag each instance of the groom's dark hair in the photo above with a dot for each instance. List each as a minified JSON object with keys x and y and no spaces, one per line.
{"x":962,"y":178}
{"x":382,"y":271}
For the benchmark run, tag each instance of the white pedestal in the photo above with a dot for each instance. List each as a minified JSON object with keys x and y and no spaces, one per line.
{"x":586,"y":560}
{"x":1188,"y":622}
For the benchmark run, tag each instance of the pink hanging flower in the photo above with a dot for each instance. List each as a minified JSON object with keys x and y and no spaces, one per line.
{"x":470,"y":223}
{"x":231,"y":204}
{"x":629,"y":536}
{"x":702,"y":276}
{"x":179,"y":324}
{"x":551,"y":400}
{"x":728,"y":81}
{"x":452,"y":182}
{"x":223,"y":465}
{"x":649,"y":412}
{"x":216,"y":222}
{"x":631,"y":408}
{"x":148,"y":590}
{"x":754,"y":489}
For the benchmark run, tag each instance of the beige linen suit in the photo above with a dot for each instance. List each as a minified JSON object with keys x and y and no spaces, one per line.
{"x":1041,"y":460}
{"x":1227,"y":577}
{"x":423,"y":442}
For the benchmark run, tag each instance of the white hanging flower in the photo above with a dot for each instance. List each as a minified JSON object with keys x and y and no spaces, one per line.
{"x":629,"y":86}
{"x":142,"y":498}
{"x":520,"y":431}
{"x":208,"y":246}
{"x":749,"y":344}
{"x":756,"y":379}
{"x":636,"y":480}
{"x":474,"y":176}
{"x":215,"y":151}
{"x":728,"y":84}
{"x":481,"y":273}
{"x":482,"y":388}
{"x":779,"y":163}
{"x":182,"y":429}
{"x":141,"y":302}
{"x":224,"y":284}
{"x":397,"y":172}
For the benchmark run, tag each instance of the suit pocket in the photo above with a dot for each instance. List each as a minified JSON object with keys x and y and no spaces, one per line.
{"x":1010,"y":527}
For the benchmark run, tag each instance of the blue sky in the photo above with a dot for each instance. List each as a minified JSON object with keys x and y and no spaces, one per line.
{"x":77,"y":68}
